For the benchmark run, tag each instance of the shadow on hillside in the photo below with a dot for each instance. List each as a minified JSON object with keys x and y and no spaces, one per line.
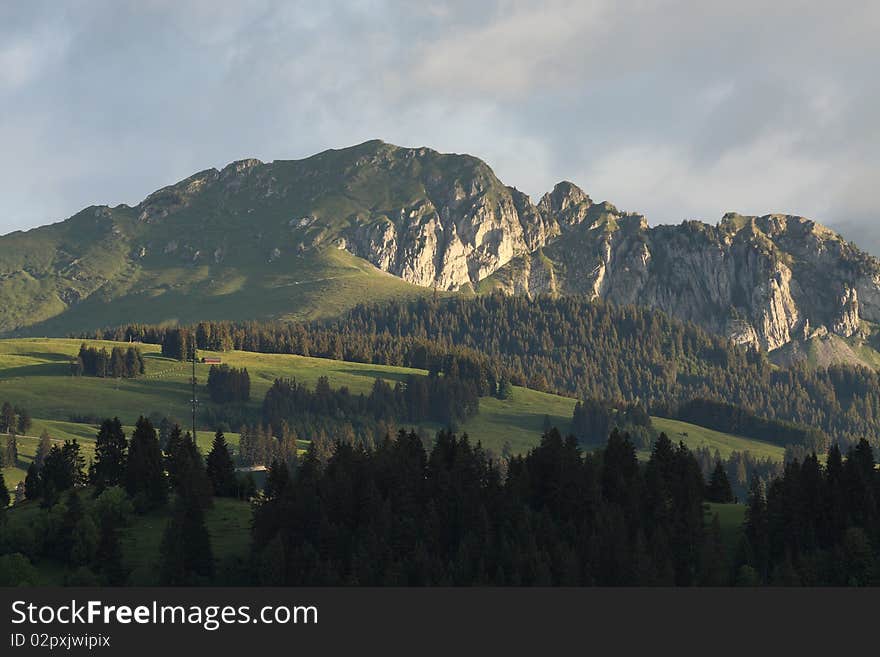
{"x":374,"y":374}
{"x":42,"y":369}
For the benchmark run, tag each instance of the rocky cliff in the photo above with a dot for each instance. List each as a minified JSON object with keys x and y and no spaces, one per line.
{"x":257,"y":240}
{"x":763,"y":281}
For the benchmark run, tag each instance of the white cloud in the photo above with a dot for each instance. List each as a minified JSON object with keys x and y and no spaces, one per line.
{"x":23,"y":58}
{"x":760,"y":177}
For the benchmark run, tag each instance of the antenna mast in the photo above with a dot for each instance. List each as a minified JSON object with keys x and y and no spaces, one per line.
{"x":194,"y":400}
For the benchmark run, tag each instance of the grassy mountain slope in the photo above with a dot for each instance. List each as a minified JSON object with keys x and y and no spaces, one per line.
{"x":251,"y":241}
{"x":34,"y":373}
{"x":695,"y":436}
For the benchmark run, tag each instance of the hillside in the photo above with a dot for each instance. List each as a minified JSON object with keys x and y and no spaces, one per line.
{"x":228,"y":523}
{"x":310,"y":238}
{"x":34,"y":373}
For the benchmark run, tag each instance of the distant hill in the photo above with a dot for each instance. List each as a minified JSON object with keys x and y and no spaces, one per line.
{"x":310,"y":238}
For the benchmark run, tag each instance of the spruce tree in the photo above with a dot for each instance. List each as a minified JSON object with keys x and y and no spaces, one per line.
{"x":185,"y":551}
{"x":220,"y":469}
{"x":719,"y":490}
{"x":4,"y":493}
{"x":7,"y":418}
{"x":108,"y":468}
{"x":189,"y":478}
{"x":757,"y":529}
{"x":277,"y":480}
{"x":32,"y":483}
{"x":72,"y":516}
{"x":172,"y":560}
{"x":172,"y":449}
{"x":144,"y":474}
{"x":108,"y":556}
{"x":43,"y":448}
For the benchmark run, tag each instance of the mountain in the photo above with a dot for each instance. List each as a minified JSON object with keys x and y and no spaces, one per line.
{"x":764,"y":281}
{"x":312,"y":237}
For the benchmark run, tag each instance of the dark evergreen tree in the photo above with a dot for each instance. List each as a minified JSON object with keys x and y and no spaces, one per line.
{"x":757,"y":530}
{"x":718,"y":490}
{"x":4,"y":495}
{"x":186,"y":556}
{"x":220,"y":469}
{"x":144,"y":473}
{"x":62,"y":470}
{"x":23,"y":420}
{"x":7,"y":418}
{"x":43,"y":448}
{"x":32,"y":483}
{"x":109,"y":554}
{"x":190,"y":480}
{"x":277,"y":480}
{"x":108,"y":468}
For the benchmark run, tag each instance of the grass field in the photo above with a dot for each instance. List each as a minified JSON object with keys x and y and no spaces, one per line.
{"x":695,"y":436}
{"x":35,"y":374}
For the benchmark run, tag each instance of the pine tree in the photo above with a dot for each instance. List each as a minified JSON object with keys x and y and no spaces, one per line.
{"x":185,"y":551}
{"x":43,"y":448}
{"x":63,"y":469}
{"x":109,"y":553}
{"x":108,"y":468}
{"x":719,"y":490}
{"x":713,"y":562}
{"x":71,"y":517}
{"x":172,"y":448}
{"x":172,"y":560}
{"x":757,"y":529}
{"x":32,"y":483}
{"x":7,"y":418}
{"x":24,"y":420}
{"x":190,"y":479}
{"x":4,"y":494}
{"x":277,"y":480}
{"x":220,"y":469}
{"x":10,"y":458}
{"x":144,"y":474}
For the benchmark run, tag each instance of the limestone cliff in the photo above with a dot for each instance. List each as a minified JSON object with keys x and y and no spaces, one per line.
{"x":267,"y":239}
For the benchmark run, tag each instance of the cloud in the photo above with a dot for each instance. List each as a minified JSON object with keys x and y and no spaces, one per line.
{"x":24,"y":57}
{"x":675,"y":109}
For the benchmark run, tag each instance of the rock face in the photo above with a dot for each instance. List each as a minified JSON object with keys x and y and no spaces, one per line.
{"x":762,"y":281}
{"x":440,"y":221}
{"x":464,"y":228}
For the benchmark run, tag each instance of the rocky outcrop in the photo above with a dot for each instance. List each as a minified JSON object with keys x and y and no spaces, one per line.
{"x":761,"y":281}
{"x":444,"y":221}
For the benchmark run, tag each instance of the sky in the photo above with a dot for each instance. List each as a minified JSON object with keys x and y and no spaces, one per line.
{"x":678,"y":110}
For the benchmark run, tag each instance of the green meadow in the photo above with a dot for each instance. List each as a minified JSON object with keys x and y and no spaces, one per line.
{"x":35,"y":374}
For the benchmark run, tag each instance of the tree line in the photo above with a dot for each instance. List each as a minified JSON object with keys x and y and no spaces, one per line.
{"x":118,"y":363}
{"x":14,"y":419}
{"x":405,"y":515}
{"x":733,"y":419}
{"x":86,"y":507}
{"x":447,"y":400}
{"x":229,"y":385}
{"x":816,"y":524}
{"x":410,"y":512}
{"x":576,"y":347}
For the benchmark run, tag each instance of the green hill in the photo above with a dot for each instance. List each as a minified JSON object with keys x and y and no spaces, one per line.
{"x":696,"y":436}
{"x":35,"y":374}
{"x":252,"y":241}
